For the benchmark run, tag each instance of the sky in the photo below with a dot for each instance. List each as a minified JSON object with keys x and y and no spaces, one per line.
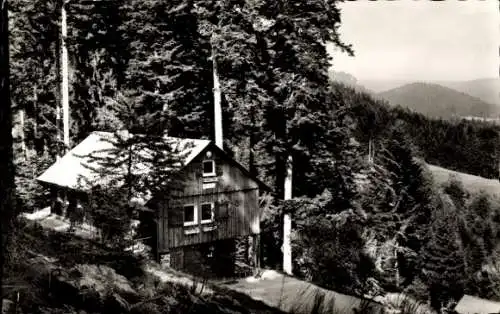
{"x":420,"y":39}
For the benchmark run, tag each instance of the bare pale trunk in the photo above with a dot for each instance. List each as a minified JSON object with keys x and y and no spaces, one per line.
{"x":370,"y":160}
{"x":35,"y":109}
{"x":287,"y":219}
{"x":396,"y":263}
{"x":217,"y":101}
{"x":64,"y":79}
{"x":6,"y":154}
{"x":22,"y":135}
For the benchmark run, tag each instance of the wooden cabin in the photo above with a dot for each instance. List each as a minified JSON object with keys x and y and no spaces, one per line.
{"x":216,"y":204}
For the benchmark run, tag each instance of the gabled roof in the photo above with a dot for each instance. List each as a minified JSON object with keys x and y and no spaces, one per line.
{"x":79,"y":168}
{"x":261,"y":184}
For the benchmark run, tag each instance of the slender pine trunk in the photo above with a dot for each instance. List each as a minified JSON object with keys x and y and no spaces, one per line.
{"x":217,"y":100}
{"x":251,"y":144}
{"x":22,"y":134}
{"x":58,"y":109}
{"x":287,"y":219}
{"x":6,"y":153}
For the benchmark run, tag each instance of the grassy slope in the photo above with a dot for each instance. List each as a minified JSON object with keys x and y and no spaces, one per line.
{"x":296,"y":296}
{"x":474,"y":184}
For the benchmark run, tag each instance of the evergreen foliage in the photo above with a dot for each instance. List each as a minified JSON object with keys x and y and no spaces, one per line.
{"x":144,"y":69}
{"x":473,"y":144}
{"x":328,"y":247}
{"x":443,"y":268}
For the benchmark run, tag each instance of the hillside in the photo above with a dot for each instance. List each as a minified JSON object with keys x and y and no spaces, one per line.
{"x":382,"y":85}
{"x":473,"y":184}
{"x":488,"y":90}
{"x":437,"y":101}
{"x":472,"y":143}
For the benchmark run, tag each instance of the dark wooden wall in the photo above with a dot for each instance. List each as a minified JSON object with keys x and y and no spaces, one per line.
{"x":239,"y":217}
{"x":234,"y":194}
{"x":229,"y":177}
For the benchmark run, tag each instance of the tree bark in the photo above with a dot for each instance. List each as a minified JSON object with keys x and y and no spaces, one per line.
{"x":58,"y":96}
{"x":22,"y":135}
{"x":65,"y":79}
{"x":251,"y":143}
{"x":6,"y":153}
{"x":217,"y":101}
{"x":287,"y":219}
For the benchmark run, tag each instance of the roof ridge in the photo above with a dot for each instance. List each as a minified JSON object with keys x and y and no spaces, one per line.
{"x":97,"y":132}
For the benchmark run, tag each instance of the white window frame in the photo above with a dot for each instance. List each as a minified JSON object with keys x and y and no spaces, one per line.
{"x":195,"y":216}
{"x":212,"y":210}
{"x":208,"y":174}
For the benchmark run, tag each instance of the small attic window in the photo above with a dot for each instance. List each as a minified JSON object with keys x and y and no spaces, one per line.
{"x":208,"y":168}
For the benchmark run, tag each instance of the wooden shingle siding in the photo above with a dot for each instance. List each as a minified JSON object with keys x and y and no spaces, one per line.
{"x":242,"y":215}
{"x":229,"y":178}
{"x":233,"y":193}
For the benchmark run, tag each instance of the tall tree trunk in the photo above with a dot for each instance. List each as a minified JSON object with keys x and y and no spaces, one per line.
{"x":6,"y":153}
{"x":370,"y":160}
{"x":35,"y":112}
{"x":251,"y":143}
{"x":287,"y":219}
{"x":58,"y":96}
{"x":22,"y":134}
{"x":64,"y":78}
{"x":217,"y":100}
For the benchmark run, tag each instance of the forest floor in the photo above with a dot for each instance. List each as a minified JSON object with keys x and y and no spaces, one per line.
{"x":273,"y":289}
{"x":61,"y":224}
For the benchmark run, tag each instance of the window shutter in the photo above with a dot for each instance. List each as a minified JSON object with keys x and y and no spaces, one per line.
{"x":218,"y":168}
{"x":221,"y":210}
{"x":175,"y":217}
{"x":197,"y":170}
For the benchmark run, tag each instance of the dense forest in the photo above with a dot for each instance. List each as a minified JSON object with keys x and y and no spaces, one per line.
{"x":463,"y":145}
{"x":361,"y":226}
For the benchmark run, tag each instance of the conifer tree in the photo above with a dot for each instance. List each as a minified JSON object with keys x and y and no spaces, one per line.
{"x":6,"y":156}
{"x":98,"y":60}
{"x":398,"y":202}
{"x":169,"y":70}
{"x":34,"y":73}
{"x":442,"y":260}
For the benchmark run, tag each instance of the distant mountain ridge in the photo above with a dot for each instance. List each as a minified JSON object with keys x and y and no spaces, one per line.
{"x":438,"y":101}
{"x":445,"y":99}
{"x":487,"y":89}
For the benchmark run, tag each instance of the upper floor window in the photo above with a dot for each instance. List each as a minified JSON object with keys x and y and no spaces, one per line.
{"x":190,"y":215}
{"x":207,"y":212}
{"x":208,"y":168}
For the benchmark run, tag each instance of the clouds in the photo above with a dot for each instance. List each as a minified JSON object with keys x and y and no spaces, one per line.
{"x":420,"y":40}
